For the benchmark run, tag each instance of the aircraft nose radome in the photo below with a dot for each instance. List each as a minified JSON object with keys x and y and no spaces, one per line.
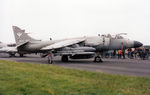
{"x":137,"y":44}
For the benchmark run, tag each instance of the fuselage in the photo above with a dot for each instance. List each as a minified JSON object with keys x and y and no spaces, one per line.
{"x":5,"y":48}
{"x":97,"y":42}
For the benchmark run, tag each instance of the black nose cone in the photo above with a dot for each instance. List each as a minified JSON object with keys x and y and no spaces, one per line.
{"x":137,"y":44}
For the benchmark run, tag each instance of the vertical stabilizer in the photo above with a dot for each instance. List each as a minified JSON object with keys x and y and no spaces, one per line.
{"x":20,"y":35}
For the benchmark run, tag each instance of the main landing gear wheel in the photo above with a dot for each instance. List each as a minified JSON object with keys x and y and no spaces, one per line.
{"x":21,"y":55}
{"x":64,"y":58}
{"x":98,"y":59}
{"x":12,"y":55}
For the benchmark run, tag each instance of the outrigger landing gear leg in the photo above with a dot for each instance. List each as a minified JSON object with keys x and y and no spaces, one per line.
{"x":50,"y":60}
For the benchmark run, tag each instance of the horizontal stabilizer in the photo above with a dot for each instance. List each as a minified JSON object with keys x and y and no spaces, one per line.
{"x":21,"y":44}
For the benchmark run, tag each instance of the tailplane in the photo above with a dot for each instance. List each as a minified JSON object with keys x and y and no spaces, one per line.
{"x":20,"y":35}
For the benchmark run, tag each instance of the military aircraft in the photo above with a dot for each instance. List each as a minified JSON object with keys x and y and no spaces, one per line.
{"x":74,"y":48}
{"x":8,"y":48}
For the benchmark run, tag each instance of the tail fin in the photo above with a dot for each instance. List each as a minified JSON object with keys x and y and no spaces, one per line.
{"x":20,"y":35}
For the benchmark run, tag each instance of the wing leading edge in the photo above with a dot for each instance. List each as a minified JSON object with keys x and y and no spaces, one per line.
{"x":63,"y":43}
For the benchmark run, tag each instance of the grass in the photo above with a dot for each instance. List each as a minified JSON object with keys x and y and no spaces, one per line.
{"x":44,"y":79}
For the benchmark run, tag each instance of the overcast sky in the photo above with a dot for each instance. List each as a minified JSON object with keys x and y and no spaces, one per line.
{"x":72,"y":18}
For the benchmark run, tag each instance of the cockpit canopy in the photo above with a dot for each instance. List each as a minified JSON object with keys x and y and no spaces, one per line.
{"x":117,"y":36}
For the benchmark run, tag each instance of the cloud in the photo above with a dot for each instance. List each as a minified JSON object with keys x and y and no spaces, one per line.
{"x":71,"y":18}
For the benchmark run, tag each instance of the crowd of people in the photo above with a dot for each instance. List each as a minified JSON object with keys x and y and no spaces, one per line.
{"x":131,"y":53}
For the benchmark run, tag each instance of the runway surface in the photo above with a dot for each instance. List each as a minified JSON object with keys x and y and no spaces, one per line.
{"x":131,"y":67}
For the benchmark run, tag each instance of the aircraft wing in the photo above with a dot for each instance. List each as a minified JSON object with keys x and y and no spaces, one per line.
{"x":63,"y":43}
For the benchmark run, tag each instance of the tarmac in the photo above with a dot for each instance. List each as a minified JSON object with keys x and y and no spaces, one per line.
{"x":129,"y":67}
